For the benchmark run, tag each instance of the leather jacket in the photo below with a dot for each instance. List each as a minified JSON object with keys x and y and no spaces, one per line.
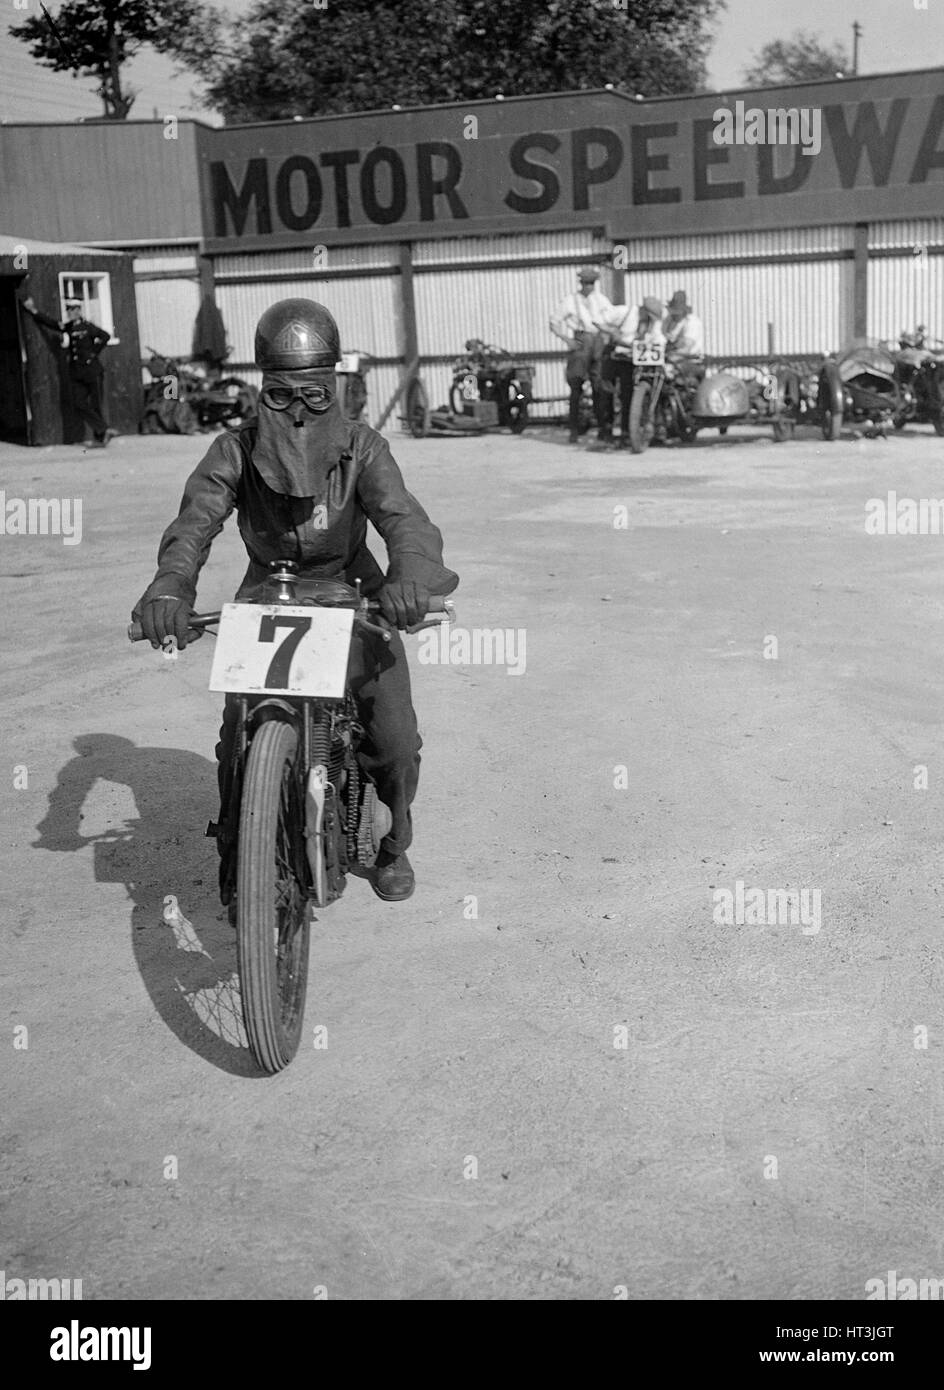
{"x":326,"y":536}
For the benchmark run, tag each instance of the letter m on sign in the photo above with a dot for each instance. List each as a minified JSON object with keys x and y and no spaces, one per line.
{"x":255,"y":189}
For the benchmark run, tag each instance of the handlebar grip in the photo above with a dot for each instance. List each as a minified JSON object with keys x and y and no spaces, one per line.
{"x":198,"y":622}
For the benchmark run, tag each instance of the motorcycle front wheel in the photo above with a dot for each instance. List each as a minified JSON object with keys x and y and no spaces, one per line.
{"x":272,"y":928}
{"x":640,"y":426}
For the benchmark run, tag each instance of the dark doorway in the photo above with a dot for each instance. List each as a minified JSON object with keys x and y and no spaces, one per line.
{"x":14,"y":417}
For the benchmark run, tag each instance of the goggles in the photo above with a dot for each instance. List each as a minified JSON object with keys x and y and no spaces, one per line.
{"x":317,"y":396}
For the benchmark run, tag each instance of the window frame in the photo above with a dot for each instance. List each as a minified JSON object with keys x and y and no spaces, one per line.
{"x":102,"y":279}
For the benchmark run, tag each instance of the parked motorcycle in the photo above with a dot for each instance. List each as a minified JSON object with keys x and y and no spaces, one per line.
{"x":859,"y":386}
{"x":183,"y":398}
{"x":919,"y":369}
{"x":351,"y":373}
{"x":676,"y":399}
{"x":492,"y":388}
{"x":298,"y":810}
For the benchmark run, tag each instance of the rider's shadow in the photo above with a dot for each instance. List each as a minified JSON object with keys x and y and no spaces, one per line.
{"x":188,"y":965}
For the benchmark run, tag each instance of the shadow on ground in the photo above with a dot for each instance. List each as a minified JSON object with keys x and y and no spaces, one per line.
{"x":189,"y":970}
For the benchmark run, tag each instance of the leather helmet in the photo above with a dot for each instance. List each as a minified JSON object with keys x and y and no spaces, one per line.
{"x":294,"y":334}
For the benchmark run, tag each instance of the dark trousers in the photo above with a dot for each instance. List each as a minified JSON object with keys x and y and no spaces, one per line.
{"x":87,"y":399}
{"x":390,"y":750}
{"x":618,"y":371}
{"x":583,"y":364}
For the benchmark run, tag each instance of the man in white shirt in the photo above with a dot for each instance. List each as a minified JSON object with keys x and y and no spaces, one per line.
{"x":576,"y":323}
{"x":684,"y":330}
{"x":623,"y":324}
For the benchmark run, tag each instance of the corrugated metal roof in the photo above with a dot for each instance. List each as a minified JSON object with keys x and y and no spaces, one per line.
{"x":9,"y":246}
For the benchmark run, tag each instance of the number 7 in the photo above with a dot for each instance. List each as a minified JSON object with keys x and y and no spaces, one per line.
{"x":279,"y":666}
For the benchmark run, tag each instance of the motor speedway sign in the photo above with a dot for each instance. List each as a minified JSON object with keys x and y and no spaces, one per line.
{"x":594,"y":159}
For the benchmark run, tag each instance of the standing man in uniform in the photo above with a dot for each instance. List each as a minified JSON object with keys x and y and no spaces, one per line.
{"x":576,"y":324}
{"x":84,"y":344}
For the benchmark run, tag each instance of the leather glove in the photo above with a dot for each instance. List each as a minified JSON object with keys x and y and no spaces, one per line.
{"x":164,"y":616}
{"x":404,"y":602}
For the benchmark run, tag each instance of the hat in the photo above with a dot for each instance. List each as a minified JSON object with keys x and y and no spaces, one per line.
{"x":653,"y":306}
{"x":588,"y":272}
{"x":73,"y":304}
{"x":678,"y":304}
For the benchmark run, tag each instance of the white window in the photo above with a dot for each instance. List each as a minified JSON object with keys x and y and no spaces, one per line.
{"x":93,"y":288}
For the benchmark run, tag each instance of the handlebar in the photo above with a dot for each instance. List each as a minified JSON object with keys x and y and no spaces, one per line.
{"x":437,"y":604}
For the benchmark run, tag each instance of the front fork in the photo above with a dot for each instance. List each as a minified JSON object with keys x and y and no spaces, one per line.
{"x":226,"y":830}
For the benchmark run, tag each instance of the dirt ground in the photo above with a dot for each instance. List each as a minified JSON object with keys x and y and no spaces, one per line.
{"x":473,"y":1128}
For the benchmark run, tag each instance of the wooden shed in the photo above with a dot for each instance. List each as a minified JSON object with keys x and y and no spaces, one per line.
{"x":35,"y":394}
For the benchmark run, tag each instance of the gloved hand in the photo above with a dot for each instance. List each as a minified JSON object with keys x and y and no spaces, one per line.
{"x":164,"y":616}
{"x":404,"y":602}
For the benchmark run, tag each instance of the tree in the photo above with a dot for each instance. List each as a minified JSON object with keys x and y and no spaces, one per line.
{"x":95,"y":38}
{"x":801,"y":58}
{"x":295,"y":58}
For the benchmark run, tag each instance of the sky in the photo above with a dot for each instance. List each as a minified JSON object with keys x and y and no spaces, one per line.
{"x":897,"y":35}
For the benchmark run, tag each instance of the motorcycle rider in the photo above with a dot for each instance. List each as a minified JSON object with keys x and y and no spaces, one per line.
{"x":622,"y":325}
{"x":684,"y":330}
{"x":305,"y":481}
{"x":575,"y":323}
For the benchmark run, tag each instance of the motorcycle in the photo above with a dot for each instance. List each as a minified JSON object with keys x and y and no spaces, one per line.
{"x":490,"y":388}
{"x":182,"y":398}
{"x":919,"y":370}
{"x":351,"y":373}
{"x":298,"y":812}
{"x":859,"y":385}
{"x":676,"y":399}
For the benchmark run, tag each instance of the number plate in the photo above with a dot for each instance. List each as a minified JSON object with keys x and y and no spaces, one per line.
{"x":648,"y":354}
{"x":282,"y":649}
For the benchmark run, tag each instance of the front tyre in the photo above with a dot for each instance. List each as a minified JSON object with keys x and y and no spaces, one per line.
{"x":271,"y":903}
{"x":640,"y":428}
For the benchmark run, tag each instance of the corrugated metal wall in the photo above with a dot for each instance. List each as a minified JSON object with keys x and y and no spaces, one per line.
{"x":365,"y":306}
{"x":908,"y":288}
{"x":808,"y":301}
{"x":503,"y":288}
{"x":508,"y":304}
{"x":121,"y":181}
{"x":167,"y":307}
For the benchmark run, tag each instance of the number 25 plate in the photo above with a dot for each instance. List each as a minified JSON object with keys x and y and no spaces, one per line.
{"x":648,"y":354}
{"x":281,"y":649}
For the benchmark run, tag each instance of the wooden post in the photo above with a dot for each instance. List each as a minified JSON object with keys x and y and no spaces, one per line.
{"x":408,"y":333}
{"x":860,"y":281}
{"x":407,"y":336}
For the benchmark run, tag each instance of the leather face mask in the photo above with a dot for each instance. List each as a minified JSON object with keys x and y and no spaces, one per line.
{"x":301,"y":431}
